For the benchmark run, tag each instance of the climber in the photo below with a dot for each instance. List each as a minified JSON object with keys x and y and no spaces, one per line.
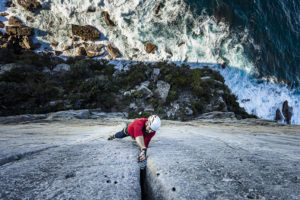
{"x":142,"y":130}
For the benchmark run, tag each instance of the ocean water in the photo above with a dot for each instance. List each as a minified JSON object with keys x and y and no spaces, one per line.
{"x":258,"y":40}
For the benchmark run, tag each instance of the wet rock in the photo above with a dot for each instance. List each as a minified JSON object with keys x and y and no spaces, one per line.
{"x":108,"y":21}
{"x":150,"y":48}
{"x":245,"y":100}
{"x":278,"y":116}
{"x":91,"y":9}
{"x":113,"y":52}
{"x":29,"y":19}
{"x":30,"y":5}
{"x":14,"y":21}
{"x":19,"y":30}
{"x":287,"y":112}
{"x":85,"y":114}
{"x":81,"y":51}
{"x":9,"y":4}
{"x":223,"y":65}
{"x":93,"y":50}
{"x":157,"y":8}
{"x":86,"y":32}
{"x":223,"y":12}
{"x":67,"y":47}
{"x":180,"y":44}
{"x":62,"y":67}
{"x":1,"y":25}
{"x":4,"y":14}
{"x":54,"y":44}
{"x":27,"y":43}
{"x":163,"y":89}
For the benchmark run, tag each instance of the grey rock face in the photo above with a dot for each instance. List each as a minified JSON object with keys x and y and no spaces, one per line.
{"x":8,"y":67}
{"x":155,"y":74}
{"x":146,"y":92}
{"x":62,"y":67}
{"x":163,"y":89}
{"x":217,"y":115}
{"x":85,"y":114}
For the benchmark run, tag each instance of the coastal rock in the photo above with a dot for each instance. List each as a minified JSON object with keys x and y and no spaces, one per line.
{"x":19,"y":30}
{"x":62,"y":67}
{"x":163,"y":89}
{"x":94,"y":50}
{"x":84,"y":114}
{"x":27,"y":43}
{"x":278,"y":116}
{"x":155,"y":74}
{"x":108,"y":21}
{"x":9,"y":4}
{"x":4,"y":14}
{"x":81,"y":51}
{"x":287,"y":112}
{"x":145,"y":91}
{"x":150,"y":48}
{"x":157,"y":8}
{"x":223,"y":12}
{"x":113,"y":52}
{"x":54,"y":44}
{"x":30,"y":5}
{"x":1,"y":25}
{"x":86,"y":32}
{"x":14,"y":21}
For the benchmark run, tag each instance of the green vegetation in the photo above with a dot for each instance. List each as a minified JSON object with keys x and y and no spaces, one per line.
{"x":96,"y":84}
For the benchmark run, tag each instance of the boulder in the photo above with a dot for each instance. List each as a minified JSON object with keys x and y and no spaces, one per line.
{"x":223,"y":12}
{"x":113,"y":52}
{"x":163,"y":89}
{"x":155,"y":74}
{"x":81,"y":51}
{"x":19,"y":30}
{"x":14,"y":21}
{"x":287,"y":112}
{"x":278,"y":116}
{"x":150,"y":48}
{"x":27,"y":43}
{"x":86,"y":32}
{"x":93,"y":50}
{"x":84,"y":114}
{"x":92,"y":54}
{"x":8,"y":67}
{"x":157,"y":8}
{"x":108,"y":21}
{"x":145,"y":91}
{"x":1,"y":25}
{"x":30,"y":5}
{"x":4,"y":14}
{"x":62,"y":67}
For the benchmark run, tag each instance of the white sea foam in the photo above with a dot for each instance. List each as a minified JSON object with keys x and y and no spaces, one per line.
{"x":202,"y":39}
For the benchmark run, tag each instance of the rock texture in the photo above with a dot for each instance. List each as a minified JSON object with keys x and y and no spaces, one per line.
{"x":113,"y":52}
{"x":150,"y":48}
{"x":30,"y":5}
{"x":14,"y":21}
{"x":287,"y":112}
{"x":19,"y":30}
{"x":67,"y":158}
{"x":86,"y":32}
{"x":108,"y":21}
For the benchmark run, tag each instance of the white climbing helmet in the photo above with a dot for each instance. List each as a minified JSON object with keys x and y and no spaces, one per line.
{"x":154,"y":122}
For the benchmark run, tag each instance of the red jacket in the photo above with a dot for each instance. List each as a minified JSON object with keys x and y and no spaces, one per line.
{"x":138,"y":128}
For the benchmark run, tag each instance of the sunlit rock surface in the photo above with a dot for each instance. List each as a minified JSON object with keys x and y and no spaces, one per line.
{"x":58,"y":156}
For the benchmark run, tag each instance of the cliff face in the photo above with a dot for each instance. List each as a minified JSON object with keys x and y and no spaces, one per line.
{"x":31,"y":83}
{"x":64,"y":157}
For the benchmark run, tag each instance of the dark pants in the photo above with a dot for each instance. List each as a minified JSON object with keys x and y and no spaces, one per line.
{"x":121,"y":134}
